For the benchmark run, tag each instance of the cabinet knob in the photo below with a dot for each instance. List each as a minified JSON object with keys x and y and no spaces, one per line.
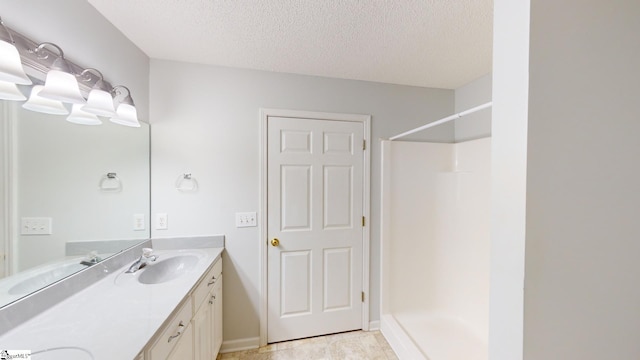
{"x":275,"y":242}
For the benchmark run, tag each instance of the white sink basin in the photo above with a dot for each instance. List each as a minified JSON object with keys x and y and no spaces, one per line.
{"x":171,"y":265}
{"x":167,"y":269}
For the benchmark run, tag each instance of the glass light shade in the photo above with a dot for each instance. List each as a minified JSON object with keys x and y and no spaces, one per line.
{"x":11,"y":69}
{"x":79,"y":116}
{"x":9,"y":91}
{"x":127,"y":115}
{"x":62,"y":86}
{"x":100,"y":103}
{"x":39,"y":104}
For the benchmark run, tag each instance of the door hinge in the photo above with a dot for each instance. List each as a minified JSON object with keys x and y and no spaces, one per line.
{"x":363,"y":296}
{"x":363,"y":221}
{"x":364,"y":144}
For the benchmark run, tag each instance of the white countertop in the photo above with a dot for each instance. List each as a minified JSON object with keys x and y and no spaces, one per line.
{"x":113,"y":318}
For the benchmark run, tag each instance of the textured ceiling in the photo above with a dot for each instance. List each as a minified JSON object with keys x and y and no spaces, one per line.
{"x":431,"y":43}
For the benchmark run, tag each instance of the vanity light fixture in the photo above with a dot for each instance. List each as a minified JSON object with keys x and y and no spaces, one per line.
{"x":10,"y":65}
{"x":40,"y":104}
{"x":64,"y":82}
{"x":61,"y":84}
{"x":80,"y":116}
{"x":99,"y":101}
{"x":9,"y":91}
{"x":126,"y":114}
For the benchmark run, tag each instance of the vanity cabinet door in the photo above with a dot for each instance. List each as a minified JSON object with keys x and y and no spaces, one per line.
{"x":184,"y":347}
{"x":202,"y":328}
{"x":207,"y":335}
{"x":216,"y":316}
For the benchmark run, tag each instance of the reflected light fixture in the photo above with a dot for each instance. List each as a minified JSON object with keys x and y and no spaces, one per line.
{"x":81,"y":117}
{"x":99,"y":101}
{"x":126,"y":114}
{"x":60,"y":83}
{"x":9,"y":91}
{"x":10,"y":64}
{"x":43,"y":105}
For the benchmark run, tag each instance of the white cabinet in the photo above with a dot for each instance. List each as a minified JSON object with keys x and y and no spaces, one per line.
{"x":207,"y":321}
{"x":184,"y":347}
{"x":216,"y":316}
{"x":195,"y":331}
{"x":176,"y":331}
{"x":202,"y":324}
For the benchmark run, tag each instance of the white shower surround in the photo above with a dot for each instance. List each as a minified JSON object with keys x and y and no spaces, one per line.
{"x":436,"y":249}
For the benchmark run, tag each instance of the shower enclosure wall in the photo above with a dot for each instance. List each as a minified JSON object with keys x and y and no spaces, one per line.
{"x":436,"y":248}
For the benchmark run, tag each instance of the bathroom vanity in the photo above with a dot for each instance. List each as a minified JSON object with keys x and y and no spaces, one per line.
{"x":169,"y":309}
{"x":195,"y":329}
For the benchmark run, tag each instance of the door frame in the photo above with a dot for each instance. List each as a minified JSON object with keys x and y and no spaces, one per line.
{"x":365,"y":120}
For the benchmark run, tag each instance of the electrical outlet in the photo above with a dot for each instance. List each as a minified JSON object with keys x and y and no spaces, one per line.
{"x":138,"y":222}
{"x":162,"y":221}
{"x":246,"y":219}
{"x":36,"y":226}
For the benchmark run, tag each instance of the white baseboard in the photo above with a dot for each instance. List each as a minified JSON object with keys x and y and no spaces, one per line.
{"x":400,"y":342}
{"x":374,"y":325}
{"x":240,"y":344}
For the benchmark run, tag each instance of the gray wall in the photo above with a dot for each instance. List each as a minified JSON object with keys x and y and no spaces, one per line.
{"x":205,"y":121}
{"x":478,"y":124}
{"x":582,"y":239}
{"x":3,"y":194}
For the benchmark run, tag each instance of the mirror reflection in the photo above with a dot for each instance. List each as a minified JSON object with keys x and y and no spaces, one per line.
{"x":72,"y":196}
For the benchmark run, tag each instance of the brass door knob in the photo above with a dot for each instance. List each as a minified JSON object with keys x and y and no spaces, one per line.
{"x":275,"y":242}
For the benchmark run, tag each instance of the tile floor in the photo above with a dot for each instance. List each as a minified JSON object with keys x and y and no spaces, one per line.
{"x":366,"y":345}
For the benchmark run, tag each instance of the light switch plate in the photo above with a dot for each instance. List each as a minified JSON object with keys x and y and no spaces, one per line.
{"x":36,"y":226}
{"x":138,"y":222}
{"x":246,"y":219}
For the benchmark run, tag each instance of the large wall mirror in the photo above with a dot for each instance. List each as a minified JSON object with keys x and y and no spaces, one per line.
{"x":72,"y":195}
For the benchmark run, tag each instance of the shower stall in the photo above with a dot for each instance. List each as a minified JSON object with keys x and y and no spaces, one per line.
{"x":436,"y":248}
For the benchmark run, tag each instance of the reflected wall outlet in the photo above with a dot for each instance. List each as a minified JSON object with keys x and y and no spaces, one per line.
{"x":35,"y":226}
{"x":138,"y":222}
{"x":246,"y":219}
{"x":162,"y":221}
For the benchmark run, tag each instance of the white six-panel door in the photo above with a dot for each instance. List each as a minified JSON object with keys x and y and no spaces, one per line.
{"x":315,"y":202}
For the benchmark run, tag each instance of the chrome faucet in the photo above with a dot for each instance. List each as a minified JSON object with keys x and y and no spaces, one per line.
{"x":90,"y":259}
{"x":142,"y":261}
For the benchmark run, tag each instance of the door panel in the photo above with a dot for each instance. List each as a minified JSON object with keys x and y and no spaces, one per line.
{"x":295,"y":280}
{"x":296,"y":197}
{"x":338,"y":197}
{"x":337,"y":287}
{"x":315,"y":201}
